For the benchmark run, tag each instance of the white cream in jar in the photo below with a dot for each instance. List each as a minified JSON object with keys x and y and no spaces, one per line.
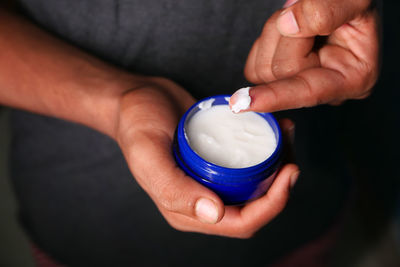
{"x":230,"y":140}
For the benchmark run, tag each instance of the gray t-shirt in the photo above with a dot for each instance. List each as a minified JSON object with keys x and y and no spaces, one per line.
{"x":78,"y":200}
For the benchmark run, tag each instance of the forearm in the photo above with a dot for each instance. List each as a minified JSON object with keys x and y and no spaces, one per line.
{"x":42,"y":74}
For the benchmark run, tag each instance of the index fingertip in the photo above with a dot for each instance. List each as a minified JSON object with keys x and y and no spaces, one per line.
{"x":240,"y":100}
{"x":263,"y":99}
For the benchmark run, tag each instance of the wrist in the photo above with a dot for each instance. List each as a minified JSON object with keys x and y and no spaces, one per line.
{"x":103,"y":106}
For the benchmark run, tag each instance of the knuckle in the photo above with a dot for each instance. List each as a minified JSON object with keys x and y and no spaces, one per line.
{"x":251,"y":75}
{"x":283,"y":69}
{"x":165,"y":203}
{"x":364,"y":95}
{"x":366,"y":82}
{"x":273,"y":95}
{"x":166,"y":196}
{"x":263,"y":73}
{"x":310,"y":98}
{"x":364,"y":90}
{"x":276,"y":70}
{"x":319,"y":16}
{"x":371,"y":79}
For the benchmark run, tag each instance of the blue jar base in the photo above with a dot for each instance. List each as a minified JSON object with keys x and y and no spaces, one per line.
{"x":235,"y":186}
{"x":231,"y":195}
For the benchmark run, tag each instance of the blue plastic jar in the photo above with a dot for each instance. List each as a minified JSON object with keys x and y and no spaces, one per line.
{"x":234,"y":186}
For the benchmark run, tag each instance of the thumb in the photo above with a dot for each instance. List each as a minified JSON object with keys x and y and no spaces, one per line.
{"x":155,"y":169}
{"x":306,"y":18}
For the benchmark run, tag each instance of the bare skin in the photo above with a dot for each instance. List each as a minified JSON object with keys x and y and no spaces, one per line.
{"x":289,"y":72}
{"x":44,"y":75}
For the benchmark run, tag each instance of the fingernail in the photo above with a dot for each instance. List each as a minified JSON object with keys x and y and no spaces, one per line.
{"x":287,"y":24}
{"x":206,"y":210}
{"x":293,"y":178}
{"x":289,"y":3}
{"x":240,"y":100}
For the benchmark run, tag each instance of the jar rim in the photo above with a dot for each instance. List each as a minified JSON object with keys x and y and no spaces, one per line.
{"x":264,"y":165}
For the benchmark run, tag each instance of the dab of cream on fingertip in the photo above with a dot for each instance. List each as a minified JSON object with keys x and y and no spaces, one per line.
{"x":240,"y":100}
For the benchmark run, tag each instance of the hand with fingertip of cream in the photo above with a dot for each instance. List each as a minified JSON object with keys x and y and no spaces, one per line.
{"x":290,"y":71}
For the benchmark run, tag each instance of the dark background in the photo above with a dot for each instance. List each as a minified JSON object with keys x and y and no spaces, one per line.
{"x":370,"y":136}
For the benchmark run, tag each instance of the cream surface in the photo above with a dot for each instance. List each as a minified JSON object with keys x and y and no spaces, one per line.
{"x":230,"y":140}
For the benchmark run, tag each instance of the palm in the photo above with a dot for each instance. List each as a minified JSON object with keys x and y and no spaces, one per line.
{"x":148,"y":118}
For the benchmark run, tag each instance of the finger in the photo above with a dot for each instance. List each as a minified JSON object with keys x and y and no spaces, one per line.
{"x":250,"y":67}
{"x":243,"y":222}
{"x":258,"y":66}
{"x":343,"y":75}
{"x":167,"y":184}
{"x":314,"y":17}
{"x":293,"y":55}
{"x":257,"y":213}
{"x":308,"y":88}
{"x":361,"y":36}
